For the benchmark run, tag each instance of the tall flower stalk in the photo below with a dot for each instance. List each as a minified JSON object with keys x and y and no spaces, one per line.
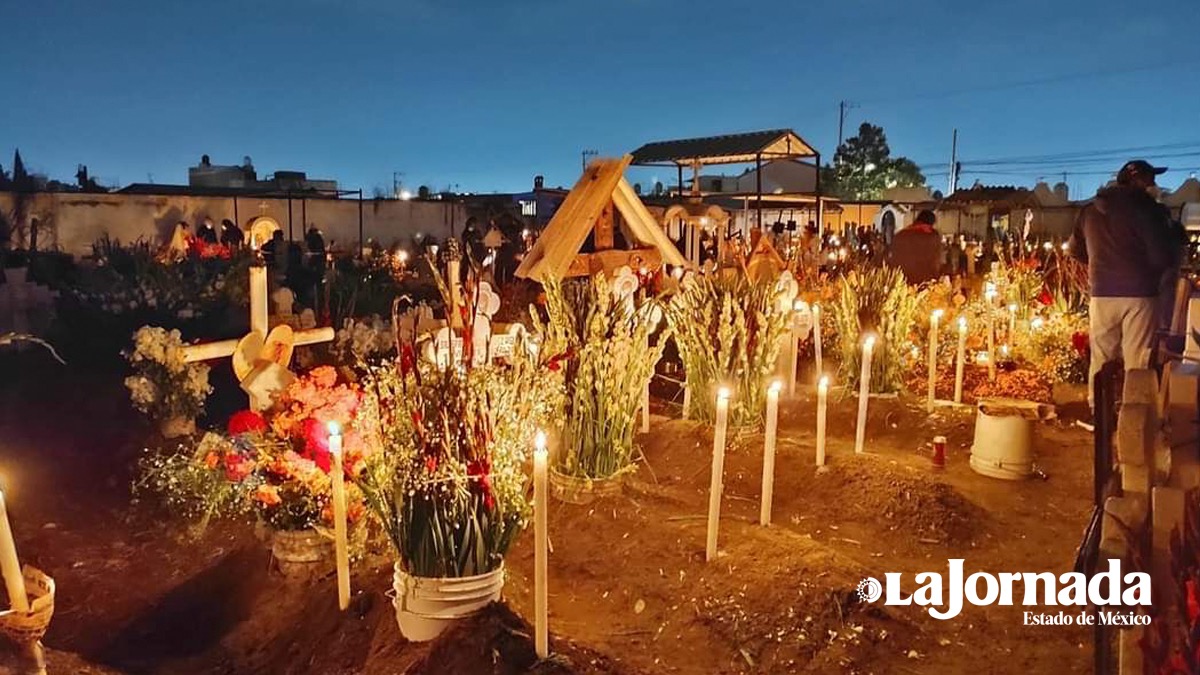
{"x":447,"y":482}
{"x":728,"y":329}
{"x":600,"y":334}
{"x":880,"y":302}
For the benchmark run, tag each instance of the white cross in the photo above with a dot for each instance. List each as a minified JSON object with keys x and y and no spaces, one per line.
{"x":268,"y":375}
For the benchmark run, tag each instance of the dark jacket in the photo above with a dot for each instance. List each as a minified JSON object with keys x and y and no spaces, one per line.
{"x":1124,"y":237}
{"x":917,"y":251}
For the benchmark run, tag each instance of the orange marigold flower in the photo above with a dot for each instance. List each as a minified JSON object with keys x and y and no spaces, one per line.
{"x":211,"y":460}
{"x":267,"y":495}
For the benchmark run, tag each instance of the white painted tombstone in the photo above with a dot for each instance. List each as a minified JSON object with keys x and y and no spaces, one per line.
{"x":284,"y":299}
{"x":308,"y":319}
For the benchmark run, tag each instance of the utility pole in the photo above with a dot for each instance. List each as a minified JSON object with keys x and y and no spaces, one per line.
{"x":843,"y":108}
{"x":584,"y":155}
{"x":954,"y":165}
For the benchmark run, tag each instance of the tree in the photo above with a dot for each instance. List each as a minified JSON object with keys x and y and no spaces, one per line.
{"x":863,"y":167}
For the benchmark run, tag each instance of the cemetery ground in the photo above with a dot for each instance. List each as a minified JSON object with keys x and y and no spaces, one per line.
{"x":629,"y":589}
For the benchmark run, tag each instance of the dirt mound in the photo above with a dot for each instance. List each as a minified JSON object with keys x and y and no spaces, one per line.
{"x":796,"y":608}
{"x":910,"y":502}
{"x":504,"y":641}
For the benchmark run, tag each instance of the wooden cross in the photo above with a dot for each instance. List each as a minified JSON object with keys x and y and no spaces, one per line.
{"x":268,"y":372}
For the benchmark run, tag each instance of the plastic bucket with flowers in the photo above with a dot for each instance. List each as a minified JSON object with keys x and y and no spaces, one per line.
{"x":447,"y":478}
{"x":426,"y":606}
{"x":300,"y":554}
{"x":583,"y":490}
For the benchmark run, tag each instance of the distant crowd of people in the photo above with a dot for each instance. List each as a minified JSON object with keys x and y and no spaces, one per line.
{"x":300,"y":266}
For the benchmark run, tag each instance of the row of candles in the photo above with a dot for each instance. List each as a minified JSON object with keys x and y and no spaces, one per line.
{"x":934,"y":320}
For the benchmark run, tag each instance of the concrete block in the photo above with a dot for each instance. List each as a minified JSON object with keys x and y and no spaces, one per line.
{"x":1183,"y":405}
{"x":1123,"y":517}
{"x":1136,"y":480}
{"x":1167,"y":508}
{"x":1137,"y":433}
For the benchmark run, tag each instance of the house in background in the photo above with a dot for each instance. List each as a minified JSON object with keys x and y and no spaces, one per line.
{"x":988,"y":212}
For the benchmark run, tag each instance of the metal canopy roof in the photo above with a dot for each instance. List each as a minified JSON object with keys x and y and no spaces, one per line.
{"x":728,"y":149}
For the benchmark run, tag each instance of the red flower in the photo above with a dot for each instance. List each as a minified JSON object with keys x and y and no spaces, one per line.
{"x":408,"y":360}
{"x":555,"y":362}
{"x":246,"y":422}
{"x":316,"y":443}
{"x":1193,"y":600}
{"x":481,"y":470}
{"x":237,"y":467}
{"x":431,"y":463}
{"x":1081,"y":342}
{"x":1045,"y":297}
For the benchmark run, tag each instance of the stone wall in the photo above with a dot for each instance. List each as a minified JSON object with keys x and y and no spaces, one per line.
{"x":71,"y":222}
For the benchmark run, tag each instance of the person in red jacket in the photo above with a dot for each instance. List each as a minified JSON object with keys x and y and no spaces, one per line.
{"x":917,"y":250}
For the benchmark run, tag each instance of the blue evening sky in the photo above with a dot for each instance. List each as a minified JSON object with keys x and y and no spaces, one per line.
{"x":484,"y":95}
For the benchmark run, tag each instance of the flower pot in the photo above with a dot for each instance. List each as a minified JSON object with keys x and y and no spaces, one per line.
{"x":300,"y":554}
{"x":426,"y":606}
{"x":177,"y":426}
{"x":574,"y":490}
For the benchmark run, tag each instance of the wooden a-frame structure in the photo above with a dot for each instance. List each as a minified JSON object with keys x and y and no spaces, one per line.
{"x":581,"y":237}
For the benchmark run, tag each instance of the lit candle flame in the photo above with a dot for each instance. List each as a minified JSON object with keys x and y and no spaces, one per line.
{"x":723,"y":394}
{"x":334,"y":428}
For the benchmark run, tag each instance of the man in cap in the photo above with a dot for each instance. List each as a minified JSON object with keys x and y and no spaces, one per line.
{"x":1124,"y":237}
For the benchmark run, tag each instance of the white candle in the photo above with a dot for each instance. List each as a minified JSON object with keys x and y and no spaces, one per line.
{"x":822,"y":401}
{"x":718,"y":470}
{"x":541,"y":547}
{"x":1012,"y":321}
{"x":768,"y":477}
{"x":864,"y":393}
{"x":10,"y":565}
{"x":933,"y":340}
{"x":793,"y":357}
{"x":990,"y":296}
{"x":341,"y":547}
{"x":816,"y":310}
{"x":960,"y":362}
{"x":258,"y":299}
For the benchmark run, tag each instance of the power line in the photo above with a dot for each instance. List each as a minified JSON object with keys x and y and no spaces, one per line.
{"x":1098,"y":73}
{"x":1084,"y":156}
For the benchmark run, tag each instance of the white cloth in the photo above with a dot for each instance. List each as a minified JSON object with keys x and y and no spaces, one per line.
{"x":1120,"y":328}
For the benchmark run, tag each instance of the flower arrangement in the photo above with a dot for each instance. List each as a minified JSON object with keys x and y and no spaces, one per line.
{"x":1058,"y":345}
{"x":877,"y":301}
{"x":275,"y":466}
{"x":602,"y":335}
{"x":446,"y":481}
{"x":192,"y":482}
{"x":163,"y":385}
{"x":728,"y":329}
{"x":366,"y":340}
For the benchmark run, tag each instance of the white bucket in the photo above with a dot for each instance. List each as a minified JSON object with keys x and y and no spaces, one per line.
{"x":426,"y":606}
{"x":1003,"y":446}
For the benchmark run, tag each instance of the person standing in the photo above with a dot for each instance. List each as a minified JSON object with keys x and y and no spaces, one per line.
{"x":1124,"y":238}
{"x":231,"y":235}
{"x":917,"y":250}
{"x":206,"y":232}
